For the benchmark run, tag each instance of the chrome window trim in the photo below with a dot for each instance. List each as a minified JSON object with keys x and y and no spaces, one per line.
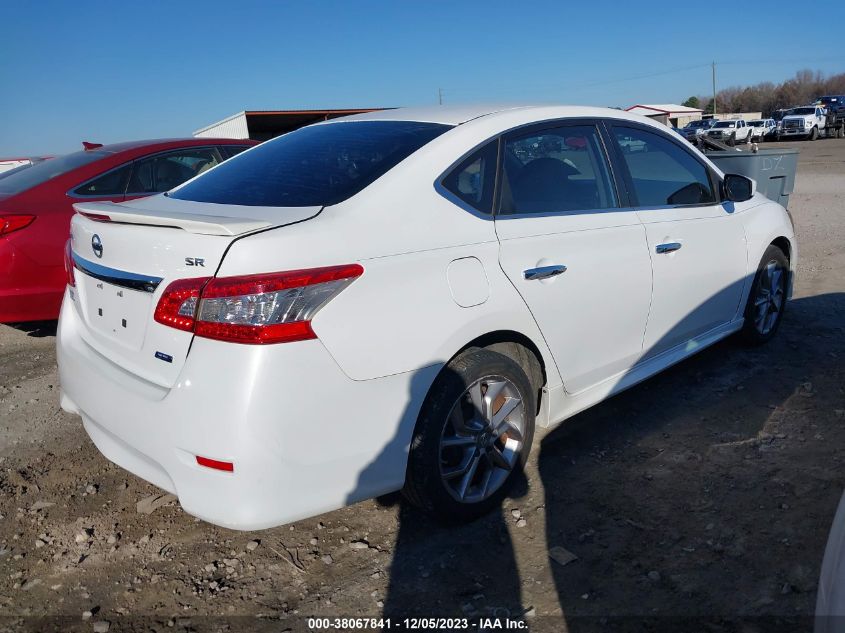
{"x":131,"y":281}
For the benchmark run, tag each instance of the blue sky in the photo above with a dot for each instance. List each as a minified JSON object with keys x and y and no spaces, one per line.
{"x":114,"y":71}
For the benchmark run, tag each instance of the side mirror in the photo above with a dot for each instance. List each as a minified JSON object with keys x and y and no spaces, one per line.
{"x":738,"y":188}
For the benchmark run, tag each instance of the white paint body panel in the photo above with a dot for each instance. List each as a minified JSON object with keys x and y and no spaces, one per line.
{"x":593,"y":315}
{"x":436,"y":278}
{"x":699,"y":286}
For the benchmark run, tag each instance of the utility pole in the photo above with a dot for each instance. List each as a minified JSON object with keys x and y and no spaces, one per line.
{"x":714,"y":90}
{"x":440,"y":96}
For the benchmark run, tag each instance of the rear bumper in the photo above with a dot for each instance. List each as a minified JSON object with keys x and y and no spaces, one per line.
{"x":28,"y":291}
{"x":303,"y":437}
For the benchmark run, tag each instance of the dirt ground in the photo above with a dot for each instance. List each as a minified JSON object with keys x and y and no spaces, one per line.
{"x":697,"y":501}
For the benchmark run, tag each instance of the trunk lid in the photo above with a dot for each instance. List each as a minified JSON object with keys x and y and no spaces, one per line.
{"x":124,"y":264}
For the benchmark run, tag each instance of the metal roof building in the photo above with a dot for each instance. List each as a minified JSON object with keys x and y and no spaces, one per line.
{"x":667,"y":113}
{"x":261,"y":125}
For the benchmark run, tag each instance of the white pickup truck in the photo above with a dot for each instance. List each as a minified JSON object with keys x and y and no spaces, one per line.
{"x":803,"y":122}
{"x":730,"y":132}
{"x":762,"y":129}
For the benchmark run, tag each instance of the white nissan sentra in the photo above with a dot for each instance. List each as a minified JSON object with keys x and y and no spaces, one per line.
{"x":397,"y":300}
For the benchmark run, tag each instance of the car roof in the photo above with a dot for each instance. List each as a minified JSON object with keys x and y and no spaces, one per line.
{"x":459,"y":114}
{"x":114,"y":148}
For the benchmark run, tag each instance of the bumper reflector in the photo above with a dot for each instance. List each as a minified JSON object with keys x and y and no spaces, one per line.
{"x":215,"y":464}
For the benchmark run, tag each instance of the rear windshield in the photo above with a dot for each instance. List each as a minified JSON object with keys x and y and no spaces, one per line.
{"x":45,"y":170}
{"x":317,"y":165}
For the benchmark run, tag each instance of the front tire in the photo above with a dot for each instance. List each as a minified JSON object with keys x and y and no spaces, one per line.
{"x":732,"y":140}
{"x":472,"y":437}
{"x":814,"y":134}
{"x":767,"y":299}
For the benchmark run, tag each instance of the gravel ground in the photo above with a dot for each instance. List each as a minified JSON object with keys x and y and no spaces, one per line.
{"x":706,"y":492}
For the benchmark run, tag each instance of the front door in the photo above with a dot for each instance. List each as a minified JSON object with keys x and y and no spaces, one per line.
{"x":696,"y":243}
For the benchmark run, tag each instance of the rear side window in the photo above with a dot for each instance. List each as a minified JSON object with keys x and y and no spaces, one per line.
{"x":163,"y":172}
{"x":556,"y":170}
{"x":112,"y":183}
{"x":232,"y":150}
{"x":313,"y":166}
{"x":474,"y":179}
{"x":662,"y":172}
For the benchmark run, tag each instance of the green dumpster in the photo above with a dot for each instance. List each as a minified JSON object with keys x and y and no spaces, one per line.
{"x":772,"y":169}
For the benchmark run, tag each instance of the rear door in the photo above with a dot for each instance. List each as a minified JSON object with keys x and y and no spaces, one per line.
{"x":572,"y":248}
{"x":696,"y":242}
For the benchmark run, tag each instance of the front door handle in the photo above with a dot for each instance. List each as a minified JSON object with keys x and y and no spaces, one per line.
{"x":543,"y":272}
{"x":669,"y":247}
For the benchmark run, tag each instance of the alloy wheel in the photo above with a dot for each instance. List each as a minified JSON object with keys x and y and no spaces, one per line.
{"x":770,"y":297}
{"x":481,"y":439}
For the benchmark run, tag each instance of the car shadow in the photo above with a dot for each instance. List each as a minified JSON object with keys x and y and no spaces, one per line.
{"x":651,"y":491}
{"x":36,"y":329}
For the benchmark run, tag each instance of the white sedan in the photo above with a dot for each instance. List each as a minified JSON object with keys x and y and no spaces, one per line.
{"x":396,"y":300}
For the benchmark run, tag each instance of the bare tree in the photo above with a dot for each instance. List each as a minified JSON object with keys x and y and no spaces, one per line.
{"x":805,"y":87}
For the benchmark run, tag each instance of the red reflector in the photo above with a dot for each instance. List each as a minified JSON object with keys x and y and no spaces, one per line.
{"x":97,"y":217}
{"x":71,"y":278}
{"x":9,"y":223}
{"x":215,"y":464}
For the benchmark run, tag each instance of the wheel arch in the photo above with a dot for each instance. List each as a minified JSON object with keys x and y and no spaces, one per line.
{"x":783,"y":243}
{"x":519,"y":348}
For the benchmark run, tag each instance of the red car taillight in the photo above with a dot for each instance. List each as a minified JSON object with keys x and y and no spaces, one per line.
{"x":71,"y":278}
{"x":254,"y":309}
{"x":10,"y":223}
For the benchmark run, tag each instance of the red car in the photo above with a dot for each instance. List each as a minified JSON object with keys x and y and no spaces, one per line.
{"x":36,"y":207}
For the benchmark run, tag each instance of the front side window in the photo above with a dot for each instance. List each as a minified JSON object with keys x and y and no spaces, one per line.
{"x":663,"y":173}
{"x":163,"y":172}
{"x":473,"y":180}
{"x":556,"y":170}
{"x":313,"y":166}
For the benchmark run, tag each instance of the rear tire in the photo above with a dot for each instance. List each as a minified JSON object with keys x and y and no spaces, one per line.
{"x":464,"y":454}
{"x":767,"y":299}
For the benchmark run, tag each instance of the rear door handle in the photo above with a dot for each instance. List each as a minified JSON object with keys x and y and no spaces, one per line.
{"x":668,"y":247}
{"x":543,"y":272}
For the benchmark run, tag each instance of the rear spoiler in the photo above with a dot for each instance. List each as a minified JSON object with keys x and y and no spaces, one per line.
{"x":191,"y":222}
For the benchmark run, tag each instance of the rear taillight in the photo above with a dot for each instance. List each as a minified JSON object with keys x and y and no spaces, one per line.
{"x":71,"y":278}
{"x":178,"y":305}
{"x":10,"y":223}
{"x":254,"y":309}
